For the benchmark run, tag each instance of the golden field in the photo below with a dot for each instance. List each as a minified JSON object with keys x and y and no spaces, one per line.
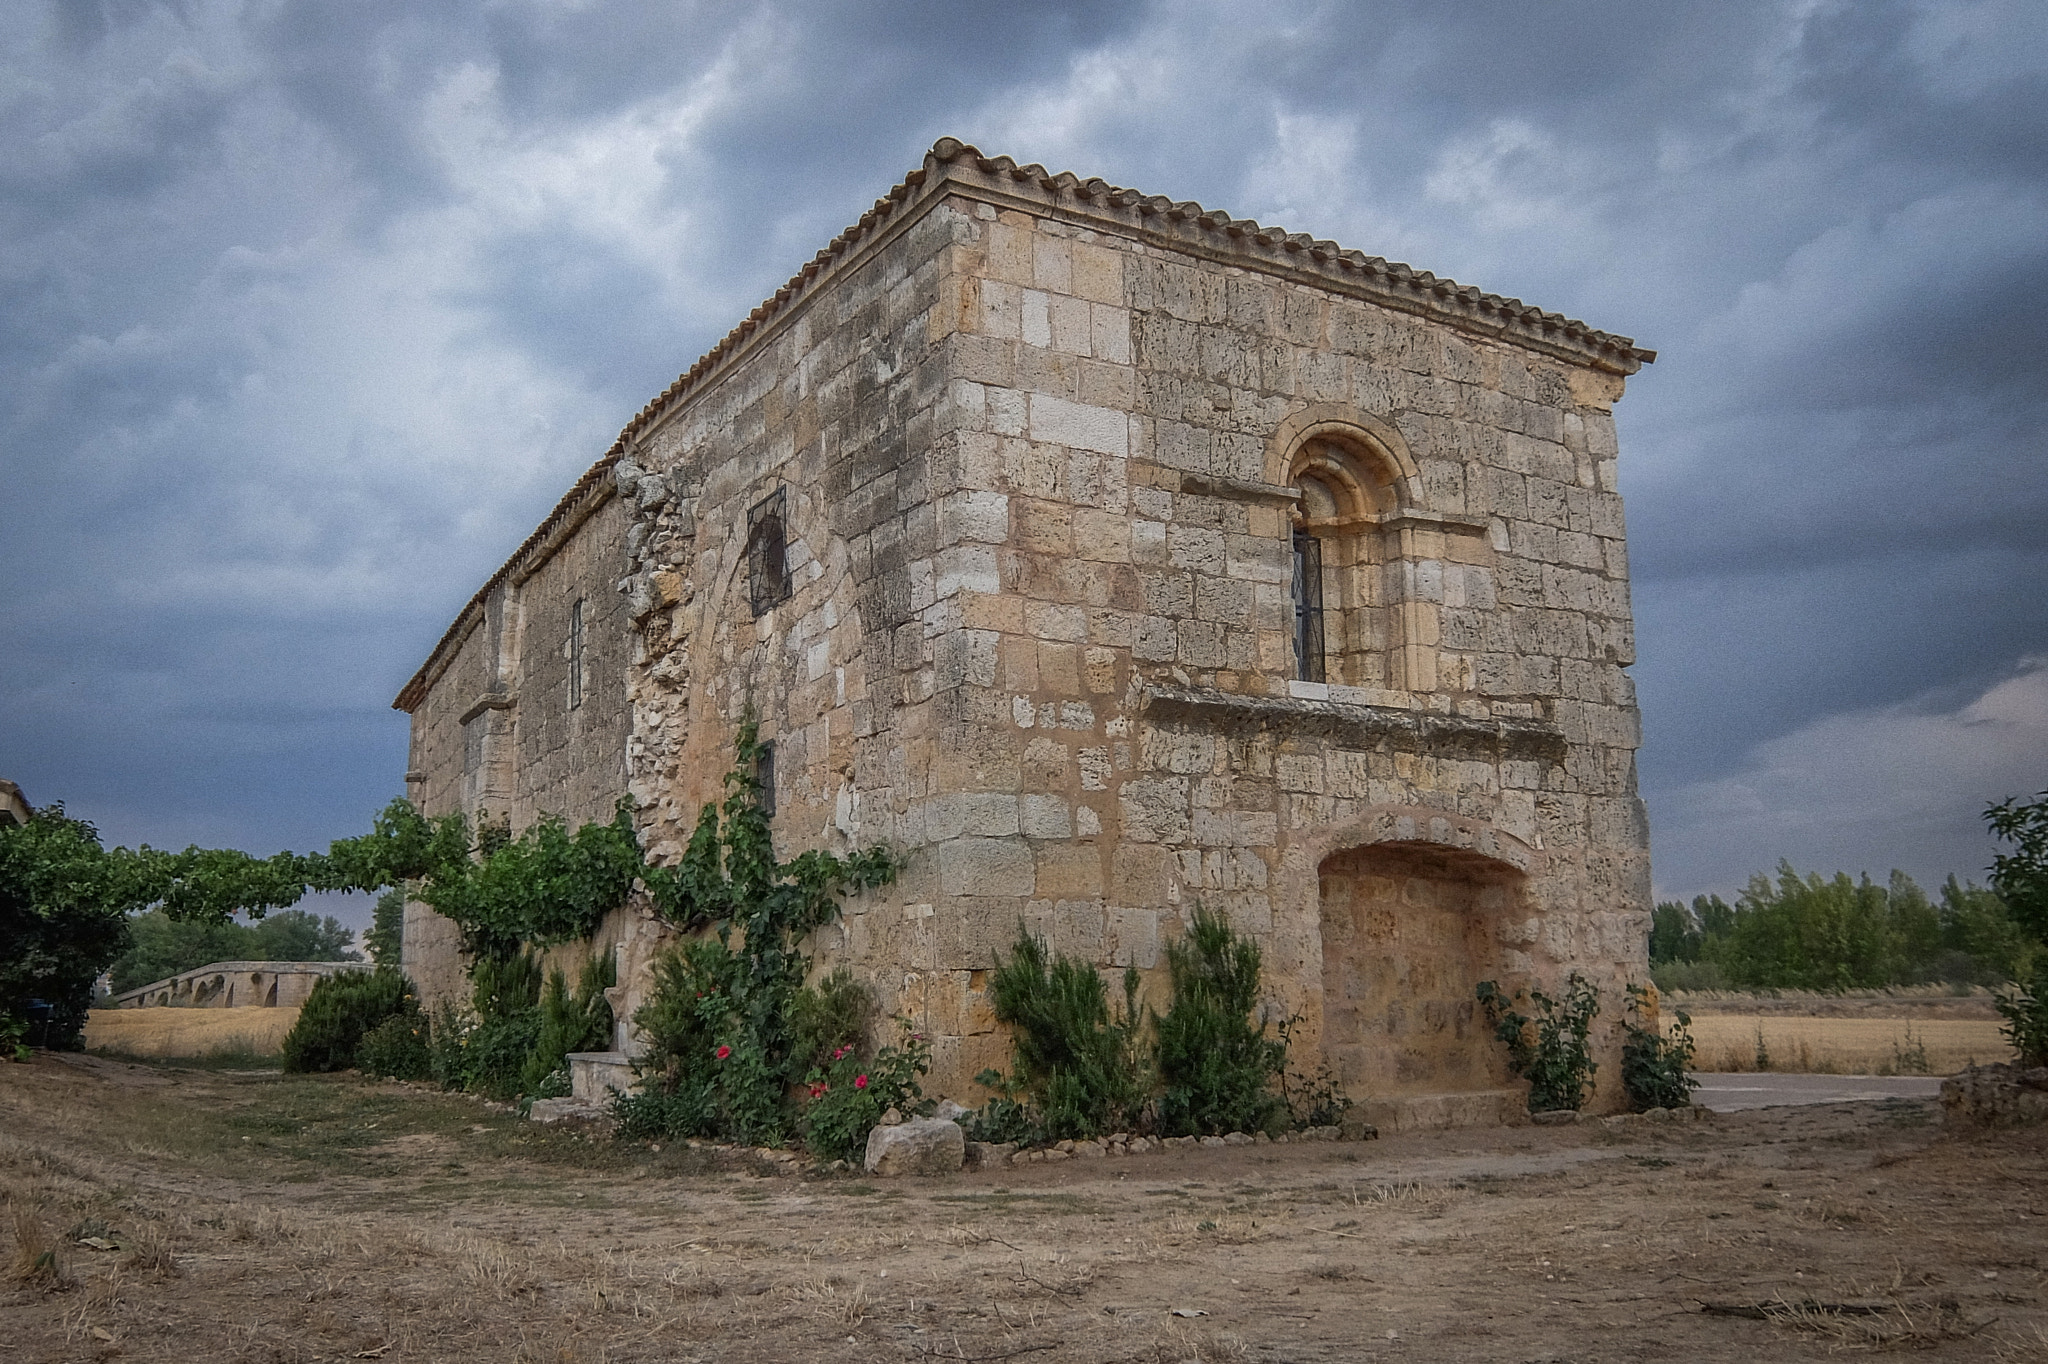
{"x":165,"y":1033}
{"x":1844,"y":1045}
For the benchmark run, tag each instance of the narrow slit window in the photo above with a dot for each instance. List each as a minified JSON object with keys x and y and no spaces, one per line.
{"x":768,"y":552}
{"x":576,"y":653}
{"x":764,"y":773}
{"x":1308,"y":607}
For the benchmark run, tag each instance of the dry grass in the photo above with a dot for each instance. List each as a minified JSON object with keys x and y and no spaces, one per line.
{"x":1845,"y":1046}
{"x":35,"y":1261}
{"x":189,"y":1033}
{"x":333,"y":1218}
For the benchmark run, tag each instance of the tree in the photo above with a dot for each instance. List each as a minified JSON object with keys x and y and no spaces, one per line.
{"x":2021,"y":876}
{"x":64,"y":906}
{"x":385,"y":940}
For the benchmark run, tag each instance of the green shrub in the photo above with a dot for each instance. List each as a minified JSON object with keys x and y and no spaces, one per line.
{"x":1549,"y":1049}
{"x":397,"y":1048}
{"x":1313,"y":1098}
{"x":848,"y":1094}
{"x":732,"y":1028}
{"x":1081,"y":1065}
{"x":1005,"y":1117}
{"x":2025,"y":1008}
{"x":505,"y":994}
{"x":1654,"y":1065}
{"x":341,"y":1008}
{"x":1688,"y":975}
{"x":1218,"y":1070}
{"x":579,"y":1022}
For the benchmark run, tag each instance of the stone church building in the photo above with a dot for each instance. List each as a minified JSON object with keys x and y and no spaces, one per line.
{"x":1105,"y":555}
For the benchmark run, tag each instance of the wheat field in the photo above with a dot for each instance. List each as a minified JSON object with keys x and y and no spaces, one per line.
{"x":1844,"y":1046}
{"x":189,"y":1033}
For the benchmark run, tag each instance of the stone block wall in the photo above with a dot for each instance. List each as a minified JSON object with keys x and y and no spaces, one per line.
{"x":1043,"y":454}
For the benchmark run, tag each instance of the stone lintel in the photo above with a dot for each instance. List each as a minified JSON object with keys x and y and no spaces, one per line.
{"x":1353,"y":725}
{"x":490,"y":701}
{"x":1417,"y":518}
{"x":1237,"y":489}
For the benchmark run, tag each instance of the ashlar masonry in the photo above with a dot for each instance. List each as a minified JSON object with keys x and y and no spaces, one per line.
{"x":1104,"y":556}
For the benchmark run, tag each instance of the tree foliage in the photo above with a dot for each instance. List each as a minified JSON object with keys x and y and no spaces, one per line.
{"x":162,"y":946}
{"x":1803,"y":931}
{"x":64,"y":906}
{"x":2021,"y":876}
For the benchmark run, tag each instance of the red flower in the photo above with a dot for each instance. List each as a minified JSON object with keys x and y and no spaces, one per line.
{"x":819,"y":1088}
{"x":860,"y":1082}
{"x":724,"y":1052}
{"x":841,"y":1052}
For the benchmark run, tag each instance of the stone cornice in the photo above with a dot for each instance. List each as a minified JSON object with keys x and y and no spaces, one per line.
{"x":1354,"y":726}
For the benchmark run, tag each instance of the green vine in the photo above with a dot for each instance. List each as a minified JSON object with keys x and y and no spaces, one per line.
{"x":1551,"y":1048}
{"x":733,"y":1030}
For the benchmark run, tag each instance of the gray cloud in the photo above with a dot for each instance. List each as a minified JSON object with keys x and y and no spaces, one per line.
{"x":311,"y":310}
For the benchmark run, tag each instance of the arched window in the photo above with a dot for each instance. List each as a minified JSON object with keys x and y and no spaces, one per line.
{"x":1342,"y":630}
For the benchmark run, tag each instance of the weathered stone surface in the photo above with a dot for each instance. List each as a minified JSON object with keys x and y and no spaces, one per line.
{"x":921,"y":1146}
{"x":1041,"y":461}
{"x":2000,"y":1095}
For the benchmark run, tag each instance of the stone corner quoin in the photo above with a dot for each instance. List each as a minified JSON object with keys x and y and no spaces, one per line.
{"x":1105,"y":556}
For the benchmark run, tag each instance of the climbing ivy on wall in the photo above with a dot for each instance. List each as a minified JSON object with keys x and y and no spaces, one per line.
{"x":732,"y":1028}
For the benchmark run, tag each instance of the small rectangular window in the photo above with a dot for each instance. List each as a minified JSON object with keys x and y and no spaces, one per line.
{"x":1308,"y":607}
{"x":576,"y":654}
{"x":764,"y":772}
{"x":768,"y":552}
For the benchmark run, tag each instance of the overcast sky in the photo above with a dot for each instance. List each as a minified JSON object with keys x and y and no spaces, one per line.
{"x":309,"y":311}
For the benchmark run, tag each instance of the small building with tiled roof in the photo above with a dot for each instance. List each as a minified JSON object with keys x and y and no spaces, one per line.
{"x":1105,"y":555}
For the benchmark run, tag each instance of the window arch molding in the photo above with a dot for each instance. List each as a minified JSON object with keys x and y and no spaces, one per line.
{"x":1353,"y":480}
{"x":1375,"y":449}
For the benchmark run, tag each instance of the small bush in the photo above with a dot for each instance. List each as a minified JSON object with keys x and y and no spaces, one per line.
{"x":397,"y":1048}
{"x":506,"y":997}
{"x":848,"y":1095}
{"x":1549,"y":1049}
{"x":1081,"y":1065}
{"x":579,"y":1022}
{"x":336,"y":1015}
{"x":1654,"y":1066}
{"x":1005,"y":1117}
{"x":1688,"y":975}
{"x":448,"y":1048}
{"x":2025,"y":1009}
{"x":1218,"y":1069}
{"x":1313,"y":1099}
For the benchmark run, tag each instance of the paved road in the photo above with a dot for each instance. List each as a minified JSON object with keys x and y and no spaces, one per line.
{"x":1725,"y":1093}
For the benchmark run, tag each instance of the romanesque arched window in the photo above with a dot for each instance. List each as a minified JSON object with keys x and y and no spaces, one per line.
{"x":1342,"y":628}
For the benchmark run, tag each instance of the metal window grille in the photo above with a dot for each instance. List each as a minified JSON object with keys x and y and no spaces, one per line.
{"x":768,"y":552}
{"x":1308,"y":607}
{"x":576,"y":654}
{"x":764,"y":773}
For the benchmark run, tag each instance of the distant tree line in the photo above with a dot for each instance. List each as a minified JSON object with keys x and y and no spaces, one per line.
{"x":1809,"y":932}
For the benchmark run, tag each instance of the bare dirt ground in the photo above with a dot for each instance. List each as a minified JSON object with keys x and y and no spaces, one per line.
{"x":263,"y":1217}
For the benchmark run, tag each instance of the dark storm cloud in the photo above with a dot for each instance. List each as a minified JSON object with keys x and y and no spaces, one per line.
{"x":311,"y":310}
